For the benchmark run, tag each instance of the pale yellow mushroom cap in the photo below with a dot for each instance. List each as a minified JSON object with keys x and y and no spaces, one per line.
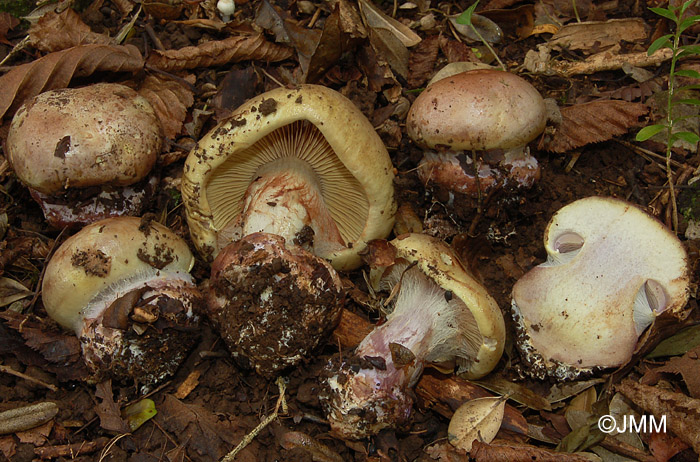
{"x":477,"y":110}
{"x":102,"y":134}
{"x":107,"y":257}
{"x":351,"y":165}
{"x":437,"y":261}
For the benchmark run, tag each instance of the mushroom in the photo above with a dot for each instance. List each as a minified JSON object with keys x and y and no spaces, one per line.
{"x":303,"y":165}
{"x":86,"y":153}
{"x":285,"y":300}
{"x":287,"y":160}
{"x":441,"y":315}
{"x":122,"y":285}
{"x":485,"y":110}
{"x":610,"y":270}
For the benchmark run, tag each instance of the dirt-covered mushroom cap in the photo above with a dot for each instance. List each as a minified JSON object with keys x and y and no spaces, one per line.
{"x":477,"y":110}
{"x":287,"y":159}
{"x":102,"y":134}
{"x":610,"y":269}
{"x":481,"y":318}
{"x":107,"y":257}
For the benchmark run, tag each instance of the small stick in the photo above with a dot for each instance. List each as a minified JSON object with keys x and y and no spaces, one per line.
{"x":71,"y":450}
{"x":26,"y":377}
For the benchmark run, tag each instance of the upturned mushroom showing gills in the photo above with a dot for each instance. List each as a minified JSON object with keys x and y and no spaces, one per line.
{"x":123,"y":286}
{"x":441,"y":315}
{"x":611,"y":269}
{"x":304,"y":164}
{"x":298,"y":168}
{"x":492,"y":113}
{"x":86,"y":153}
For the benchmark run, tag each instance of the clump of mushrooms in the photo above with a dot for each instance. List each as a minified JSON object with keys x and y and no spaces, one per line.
{"x":489,"y":112}
{"x":86,"y":153}
{"x":123,"y":286}
{"x":611,"y":269}
{"x":304,"y":165}
{"x":441,"y":315}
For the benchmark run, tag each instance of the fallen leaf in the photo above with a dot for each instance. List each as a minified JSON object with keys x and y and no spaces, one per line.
{"x":445,"y":452}
{"x":376,"y":69}
{"x":7,"y":23}
{"x":518,"y":22}
{"x":109,"y":411}
{"x":663,"y":446}
{"x":561,"y":391}
{"x":456,"y":52}
{"x":56,"y":70}
{"x":139,"y":413}
{"x":678,"y":343}
{"x":8,"y":446}
{"x":376,"y":19}
{"x":58,"y":31}
{"x":506,"y":451}
{"x":11,"y":291}
{"x":594,"y":122}
{"x":201,"y":430}
{"x":318,"y":451}
{"x":515,"y":391}
{"x":217,"y":53}
{"x":681,"y":412}
{"x":476,"y":420}
{"x":687,"y":366}
{"x":597,"y":35}
{"x":421,"y":62}
{"x":37,"y":436}
{"x":170,"y":100}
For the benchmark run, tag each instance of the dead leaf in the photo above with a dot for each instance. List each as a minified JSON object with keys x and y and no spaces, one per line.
{"x":515,"y":391}
{"x":445,"y":452}
{"x":235,"y":88}
{"x":375,"y":68}
{"x":507,"y":451}
{"x":56,"y":70}
{"x":687,"y":366}
{"x":11,"y":291}
{"x":518,"y":22}
{"x":7,"y":23}
{"x":199,"y":429}
{"x":217,"y":53}
{"x":170,"y":100}
{"x":681,"y":412}
{"x":421,"y":62}
{"x":109,"y":412}
{"x":595,"y":122}
{"x":314,"y":448}
{"x":678,"y":344}
{"x":55,"y":32}
{"x":376,"y":19}
{"x":476,"y":420}
{"x":38,"y":436}
{"x":597,"y":35}
{"x":8,"y":446}
{"x":663,"y":446}
{"x":456,"y":52}
{"x":561,"y":391}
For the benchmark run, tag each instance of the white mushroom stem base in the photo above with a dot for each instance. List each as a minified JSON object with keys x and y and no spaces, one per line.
{"x":455,"y":170}
{"x":284,"y":199}
{"x":144,"y":333}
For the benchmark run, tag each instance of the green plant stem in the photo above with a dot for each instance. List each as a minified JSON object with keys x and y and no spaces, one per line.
{"x":488,"y":45}
{"x":670,"y":123}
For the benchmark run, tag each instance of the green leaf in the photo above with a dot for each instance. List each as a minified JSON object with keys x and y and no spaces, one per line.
{"x":694,"y":49}
{"x":649,"y":131}
{"x":661,"y":42}
{"x":687,"y":73}
{"x":139,"y":413}
{"x":690,"y":101}
{"x":690,"y":137}
{"x":684,"y":7}
{"x":687,"y":22}
{"x":687,"y":87}
{"x":678,"y":344}
{"x":466,"y":17}
{"x":668,"y":14}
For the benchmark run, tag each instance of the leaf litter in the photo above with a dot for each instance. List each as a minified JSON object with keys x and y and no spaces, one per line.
{"x":376,"y":56}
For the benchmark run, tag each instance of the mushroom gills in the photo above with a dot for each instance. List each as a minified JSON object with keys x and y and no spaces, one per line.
{"x":300,"y":140}
{"x":566,"y":246}
{"x":651,"y":300}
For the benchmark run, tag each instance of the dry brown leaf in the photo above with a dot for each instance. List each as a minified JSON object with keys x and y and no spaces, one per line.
{"x":108,"y":410}
{"x":56,"y":70}
{"x":507,"y":451}
{"x":421,"y":63}
{"x":687,"y":366}
{"x":7,"y":22}
{"x":376,"y":19}
{"x":681,"y":412}
{"x":170,"y":99}
{"x":217,"y":53}
{"x":55,"y":32}
{"x":456,"y":51}
{"x":598,"y":34}
{"x":476,"y":420}
{"x":594,"y":122}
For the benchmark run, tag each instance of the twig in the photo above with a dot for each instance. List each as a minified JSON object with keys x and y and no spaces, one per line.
{"x":647,"y":152}
{"x":281,"y":402}
{"x":26,"y":377}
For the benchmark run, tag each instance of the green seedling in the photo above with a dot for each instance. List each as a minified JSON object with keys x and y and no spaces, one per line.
{"x":675,"y":14}
{"x":466,"y":19}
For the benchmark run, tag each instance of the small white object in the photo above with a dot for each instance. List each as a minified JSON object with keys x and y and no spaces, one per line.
{"x":226,"y":8}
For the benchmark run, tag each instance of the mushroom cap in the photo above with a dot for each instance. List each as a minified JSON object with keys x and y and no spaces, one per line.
{"x":437,"y":261}
{"x":79,"y":137}
{"x":108,"y":255}
{"x":606,"y":259}
{"x":477,"y":110}
{"x":356,"y":183}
